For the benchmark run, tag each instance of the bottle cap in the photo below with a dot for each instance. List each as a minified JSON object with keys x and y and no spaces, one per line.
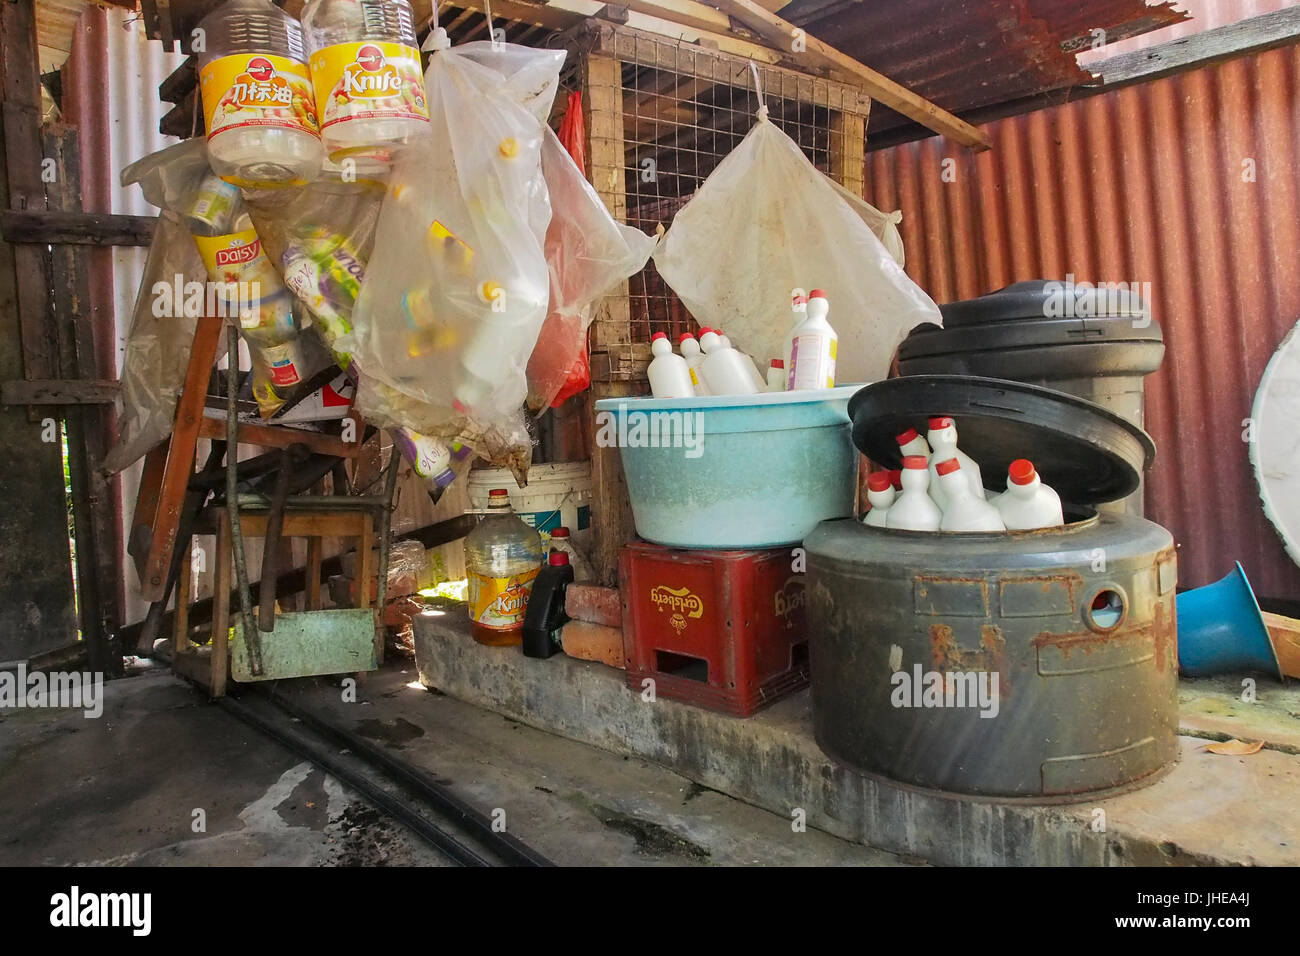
{"x":683,"y":337}
{"x":1021,"y":471}
{"x":659,"y":335}
{"x":498,"y":498}
{"x":560,"y":532}
{"x":704,"y":329}
{"x":778,"y":363}
{"x":906,"y":436}
{"x":879,"y":481}
{"x":799,"y":300}
{"x":557,"y":559}
{"x":942,"y":421}
{"x":896,"y":476}
{"x":947,"y":467}
{"x":498,"y":493}
{"x":914,"y":462}
{"x":817,"y":294}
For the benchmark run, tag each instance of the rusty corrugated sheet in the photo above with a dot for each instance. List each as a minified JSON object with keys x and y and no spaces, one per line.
{"x":1205,"y":15}
{"x":1151,"y":183}
{"x":963,"y":54}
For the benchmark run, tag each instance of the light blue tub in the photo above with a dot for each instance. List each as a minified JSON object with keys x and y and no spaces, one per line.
{"x":762,"y":470}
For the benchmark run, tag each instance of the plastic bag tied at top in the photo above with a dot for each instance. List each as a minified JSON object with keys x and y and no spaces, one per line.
{"x":458,"y":285}
{"x":766,"y":222}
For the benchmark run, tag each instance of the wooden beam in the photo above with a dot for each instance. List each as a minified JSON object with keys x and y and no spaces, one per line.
{"x":1264,"y":32}
{"x":59,"y":392}
{"x":783,"y":34}
{"x":54,"y":228}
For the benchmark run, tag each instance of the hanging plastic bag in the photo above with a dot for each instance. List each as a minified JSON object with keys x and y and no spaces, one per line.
{"x":883,"y":224}
{"x":157,"y":347}
{"x":766,"y":222}
{"x":587,"y":253}
{"x":321,"y":236}
{"x":458,"y":286}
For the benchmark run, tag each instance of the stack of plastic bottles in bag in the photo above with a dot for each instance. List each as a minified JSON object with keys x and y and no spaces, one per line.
{"x":417,"y":229}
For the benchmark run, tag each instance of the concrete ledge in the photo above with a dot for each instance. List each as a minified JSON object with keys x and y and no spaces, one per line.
{"x":1209,"y":809}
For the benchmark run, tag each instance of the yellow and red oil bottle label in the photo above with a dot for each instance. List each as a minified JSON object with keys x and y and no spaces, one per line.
{"x":258,"y":89}
{"x":368,"y":80}
{"x":499,"y":603}
{"x":240,"y":258}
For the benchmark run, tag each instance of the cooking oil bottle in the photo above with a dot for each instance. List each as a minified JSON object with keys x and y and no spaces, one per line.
{"x":502,"y":558}
{"x":368,"y":80}
{"x":257,"y":96}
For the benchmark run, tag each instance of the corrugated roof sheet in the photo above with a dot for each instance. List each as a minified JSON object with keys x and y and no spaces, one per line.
{"x":1190,"y":183}
{"x":964,"y":55}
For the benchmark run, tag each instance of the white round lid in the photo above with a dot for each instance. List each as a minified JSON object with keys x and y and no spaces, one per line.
{"x":1275,"y":444}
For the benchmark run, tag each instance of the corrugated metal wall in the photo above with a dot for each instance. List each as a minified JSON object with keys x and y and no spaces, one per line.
{"x":1191,"y":183}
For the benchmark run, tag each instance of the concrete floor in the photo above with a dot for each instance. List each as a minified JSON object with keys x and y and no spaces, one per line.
{"x":124,"y":789}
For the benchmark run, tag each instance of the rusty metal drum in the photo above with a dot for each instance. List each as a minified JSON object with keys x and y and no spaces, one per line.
{"x":1039,"y":665}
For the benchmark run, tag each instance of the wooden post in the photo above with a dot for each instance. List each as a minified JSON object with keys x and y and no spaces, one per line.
{"x":848,"y":142}
{"x":611,"y":332}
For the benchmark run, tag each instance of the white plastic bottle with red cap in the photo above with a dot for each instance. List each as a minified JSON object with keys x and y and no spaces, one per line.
{"x":910,"y":442}
{"x":963,"y":511}
{"x":880,"y":493}
{"x":814,"y":347}
{"x":914,"y":509}
{"x":942,"y":438}
{"x":751,"y":366}
{"x":690,"y":349}
{"x":1028,"y":503}
{"x":776,"y":376}
{"x":724,"y":369}
{"x":670,"y":376}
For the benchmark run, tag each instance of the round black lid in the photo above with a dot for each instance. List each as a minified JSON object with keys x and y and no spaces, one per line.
{"x":1086,"y":452}
{"x":1047,"y":300}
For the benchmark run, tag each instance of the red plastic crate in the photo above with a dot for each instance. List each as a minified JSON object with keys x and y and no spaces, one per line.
{"x":720,"y":629}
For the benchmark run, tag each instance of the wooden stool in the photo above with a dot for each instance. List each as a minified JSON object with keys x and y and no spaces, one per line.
{"x":310,"y":517}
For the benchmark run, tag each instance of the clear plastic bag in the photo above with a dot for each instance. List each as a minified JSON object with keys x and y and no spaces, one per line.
{"x":883,"y":224}
{"x":587,"y":253}
{"x":766,"y":222}
{"x":458,"y":286}
{"x":157,"y":348}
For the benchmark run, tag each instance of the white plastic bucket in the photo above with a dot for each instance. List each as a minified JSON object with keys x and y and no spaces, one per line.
{"x":558,"y":494}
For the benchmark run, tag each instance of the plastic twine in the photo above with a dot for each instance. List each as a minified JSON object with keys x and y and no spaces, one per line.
{"x":758,"y":88}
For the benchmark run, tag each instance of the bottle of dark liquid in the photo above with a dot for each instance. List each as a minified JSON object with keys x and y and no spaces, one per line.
{"x":545,"y":615}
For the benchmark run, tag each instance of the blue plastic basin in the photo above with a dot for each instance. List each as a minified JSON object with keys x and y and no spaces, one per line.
{"x":752,"y":471}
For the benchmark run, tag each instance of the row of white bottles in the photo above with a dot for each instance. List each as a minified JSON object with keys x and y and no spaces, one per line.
{"x":709,"y":366}
{"x":1027,"y":503}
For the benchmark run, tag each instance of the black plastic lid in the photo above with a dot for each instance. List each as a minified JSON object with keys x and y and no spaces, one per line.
{"x":1088,"y":454}
{"x":1047,"y":300}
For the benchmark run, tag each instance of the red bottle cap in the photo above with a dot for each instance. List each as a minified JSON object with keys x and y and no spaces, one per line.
{"x":879,"y":481}
{"x":558,"y":559}
{"x":560,"y":532}
{"x":705,"y":328}
{"x":947,"y":467}
{"x":940,"y":422}
{"x":659,"y":335}
{"x":778,"y":363}
{"x":896,"y":476}
{"x":1021,"y":471}
{"x":683,"y":337}
{"x":498,"y":493}
{"x":906,"y":436}
{"x":817,"y":294}
{"x":914,"y":462}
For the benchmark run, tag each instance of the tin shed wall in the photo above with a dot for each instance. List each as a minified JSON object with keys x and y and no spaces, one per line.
{"x":1190,"y":183}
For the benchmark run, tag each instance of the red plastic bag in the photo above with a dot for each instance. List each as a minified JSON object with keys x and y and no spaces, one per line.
{"x":573,"y":134}
{"x":573,"y":137}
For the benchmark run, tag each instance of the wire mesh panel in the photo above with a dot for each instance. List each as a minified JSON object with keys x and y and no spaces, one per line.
{"x":685,"y":107}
